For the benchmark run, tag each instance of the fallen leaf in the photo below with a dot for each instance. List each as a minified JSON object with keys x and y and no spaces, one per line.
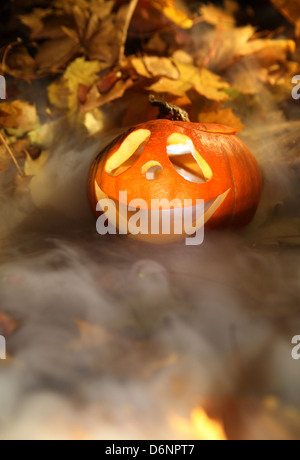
{"x":203,"y":81}
{"x":4,"y":158}
{"x":211,"y":85}
{"x":183,"y":57}
{"x":101,"y":8}
{"x":96,"y":100}
{"x":44,"y":135}
{"x":161,"y":67}
{"x":18,"y":117}
{"x":227,"y":48}
{"x":224,"y":117}
{"x":268,"y":51}
{"x":169,"y":10}
{"x":90,"y":336}
{"x":20,"y":64}
{"x":139,"y":66}
{"x":94,"y":122}
{"x":109,"y":80}
{"x":17,"y":147}
{"x":291,"y":10}
{"x":95,"y":29}
{"x":217,"y":16}
{"x":161,"y":363}
{"x":39,"y":28}
{"x":8,"y":324}
{"x":156,"y":44}
{"x":56,"y":54}
{"x":63,"y":93}
{"x":32,"y":166}
{"x":165,"y":85}
{"x":152,"y":66}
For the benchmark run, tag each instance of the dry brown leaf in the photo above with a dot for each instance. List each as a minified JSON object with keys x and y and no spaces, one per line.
{"x":80,"y":28}
{"x":63,"y":93}
{"x":96,"y":100}
{"x":7,"y":324}
{"x":161,"y":67}
{"x":55,"y":55}
{"x":227,"y":48}
{"x":291,"y":10}
{"x":224,"y":117}
{"x":269,"y":66}
{"x":152,"y":66}
{"x":140,"y":68}
{"x":43,"y":23}
{"x":18,"y":117}
{"x":156,"y":44}
{"x":101,"y":8}
{"x":5,"y":158}
{"x":268,"y":51}
{"x":90,"y":336}
{"x":20,"y":64}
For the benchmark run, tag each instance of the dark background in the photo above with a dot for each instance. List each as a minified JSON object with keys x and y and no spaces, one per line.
{"x":264,"y":15}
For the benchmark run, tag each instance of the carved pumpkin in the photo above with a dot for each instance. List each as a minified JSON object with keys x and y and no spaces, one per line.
{"x":181,"y":160}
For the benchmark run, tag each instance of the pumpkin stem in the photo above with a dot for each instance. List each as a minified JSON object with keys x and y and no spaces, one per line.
{"x":168,"y":111}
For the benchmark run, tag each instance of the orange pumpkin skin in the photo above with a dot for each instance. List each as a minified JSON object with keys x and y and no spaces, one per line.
{"x":234,"y":170}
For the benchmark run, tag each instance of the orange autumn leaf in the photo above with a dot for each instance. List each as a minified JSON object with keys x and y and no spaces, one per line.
{"x":90,"y":336}
{"x":291,"y":10}
{"x":8,"y":324}
{"x":224,"y":117}
{"x":169,"y":10}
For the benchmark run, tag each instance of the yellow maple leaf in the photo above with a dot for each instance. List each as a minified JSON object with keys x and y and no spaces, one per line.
{"x":63,"y":93}
{"x":217,"y":16}
{"x":205,"y":82}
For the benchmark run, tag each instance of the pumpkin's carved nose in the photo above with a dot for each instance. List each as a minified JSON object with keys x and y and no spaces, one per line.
{"x":152,"y":170}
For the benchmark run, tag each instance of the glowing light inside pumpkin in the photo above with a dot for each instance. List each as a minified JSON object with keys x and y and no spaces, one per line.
{"x":152,"y":170}
{"x":127,"y":154}
{"x":200,"y":426}
{"x":186,"y":160}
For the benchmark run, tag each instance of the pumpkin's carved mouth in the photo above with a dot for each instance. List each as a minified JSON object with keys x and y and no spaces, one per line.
{"x":198,"y":219}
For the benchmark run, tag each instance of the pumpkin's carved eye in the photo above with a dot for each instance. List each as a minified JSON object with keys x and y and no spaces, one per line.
{"x":128,"y":153}
{"x":186,"y":160}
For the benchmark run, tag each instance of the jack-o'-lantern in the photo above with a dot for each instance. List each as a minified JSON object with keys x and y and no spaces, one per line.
{"x":176,"y":160}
